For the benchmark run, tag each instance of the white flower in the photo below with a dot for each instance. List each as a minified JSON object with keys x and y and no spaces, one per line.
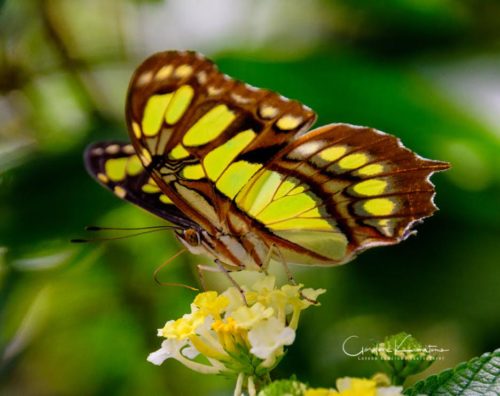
{"x":170,"y":348}
{"x":268,"y":336}
{"x":390,"y":391}
{"x":190,"y":351}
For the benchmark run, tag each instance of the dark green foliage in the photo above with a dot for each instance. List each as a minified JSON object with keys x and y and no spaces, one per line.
{"x":478,"y":376}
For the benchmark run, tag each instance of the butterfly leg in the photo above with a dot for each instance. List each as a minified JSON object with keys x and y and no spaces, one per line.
{"x":290,"y":276}
{"x":267,"y":261}
{"x":220,"y":268}
{"x":201,"y":270}
{"x":231,"y":279}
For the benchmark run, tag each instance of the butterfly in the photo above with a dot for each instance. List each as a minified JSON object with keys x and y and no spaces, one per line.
{"x":237,"y":171}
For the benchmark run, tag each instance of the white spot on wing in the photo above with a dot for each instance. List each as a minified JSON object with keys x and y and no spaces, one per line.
{"x":113,"y":149}
{"x":128,"y":149}
{"x":268,"y":112}
{"x":240,"y":99}
{"x":202,"y":77}
{"x":144,"y":78}
{"x":212,"y":91}
{"x":307,"y":149}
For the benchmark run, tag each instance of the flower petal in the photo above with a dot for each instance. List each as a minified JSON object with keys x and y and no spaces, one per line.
{"x":190,"y":352}
{"x":390,"y":391}
{"x":158,"y":357}
{"x":169,"y":349}
{"x":268,"y":336}
{"x":246,"y":317}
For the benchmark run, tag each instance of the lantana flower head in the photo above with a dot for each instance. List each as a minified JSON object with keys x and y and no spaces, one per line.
{"x":224,"y":335}
{"x":348,"y":386}
{"x":378,"y":385}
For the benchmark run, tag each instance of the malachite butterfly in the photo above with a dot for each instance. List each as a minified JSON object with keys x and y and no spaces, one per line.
{"x":236,"y":169}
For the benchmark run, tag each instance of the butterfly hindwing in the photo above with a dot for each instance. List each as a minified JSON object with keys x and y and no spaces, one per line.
{"x":116,"y":166}
{"x":340,"y":189}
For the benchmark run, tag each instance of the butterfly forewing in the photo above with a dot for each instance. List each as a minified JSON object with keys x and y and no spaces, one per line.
{"x":202,"y":134}
{"x":117,"y":167}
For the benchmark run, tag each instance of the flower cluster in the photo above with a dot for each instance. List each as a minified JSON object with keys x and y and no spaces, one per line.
{"x":378,"y":385}
{"x":357,"y":387}
{"x":224,"y":334}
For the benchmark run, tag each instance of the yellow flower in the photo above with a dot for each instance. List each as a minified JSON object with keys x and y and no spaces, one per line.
{"x":229,"y":326}
{"x":227,"y":336}
{"x":230,"y":334}
{"x":184,"y":327}
{"x":265,"y":292}
{"x":246,"y":317}
{"x":320,"y":392}
{"x":356,"y":387}
{"x":210,"y":303}
{"x":359,"y":385}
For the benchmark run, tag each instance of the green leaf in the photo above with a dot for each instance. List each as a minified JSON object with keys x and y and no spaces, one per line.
{"x":289,"y":387}
{"x":403,"y":356}
{"x":479,"y":376}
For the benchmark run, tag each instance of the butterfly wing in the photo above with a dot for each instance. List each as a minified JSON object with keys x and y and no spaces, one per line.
{"x":338,"y":190}
{"x":203,"y":135}
{"x":117,"y":167}
{"x":237,"y":161}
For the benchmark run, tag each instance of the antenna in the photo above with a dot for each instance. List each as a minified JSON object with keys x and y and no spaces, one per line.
{"x":144,"y":230}
{"x":149,"y":230}
{"x":99,"y":228}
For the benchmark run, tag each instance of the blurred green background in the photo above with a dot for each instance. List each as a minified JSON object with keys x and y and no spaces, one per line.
{"x":81,"y":319}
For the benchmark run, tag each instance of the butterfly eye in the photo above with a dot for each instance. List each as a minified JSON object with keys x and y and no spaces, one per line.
{"x":192,"y":237}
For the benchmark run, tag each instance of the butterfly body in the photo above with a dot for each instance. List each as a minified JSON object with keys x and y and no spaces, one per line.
{"x":234,"y":168}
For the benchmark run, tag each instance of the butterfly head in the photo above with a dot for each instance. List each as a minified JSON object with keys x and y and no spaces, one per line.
{"x":190,"y":236}
{"x":193,"y":239}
